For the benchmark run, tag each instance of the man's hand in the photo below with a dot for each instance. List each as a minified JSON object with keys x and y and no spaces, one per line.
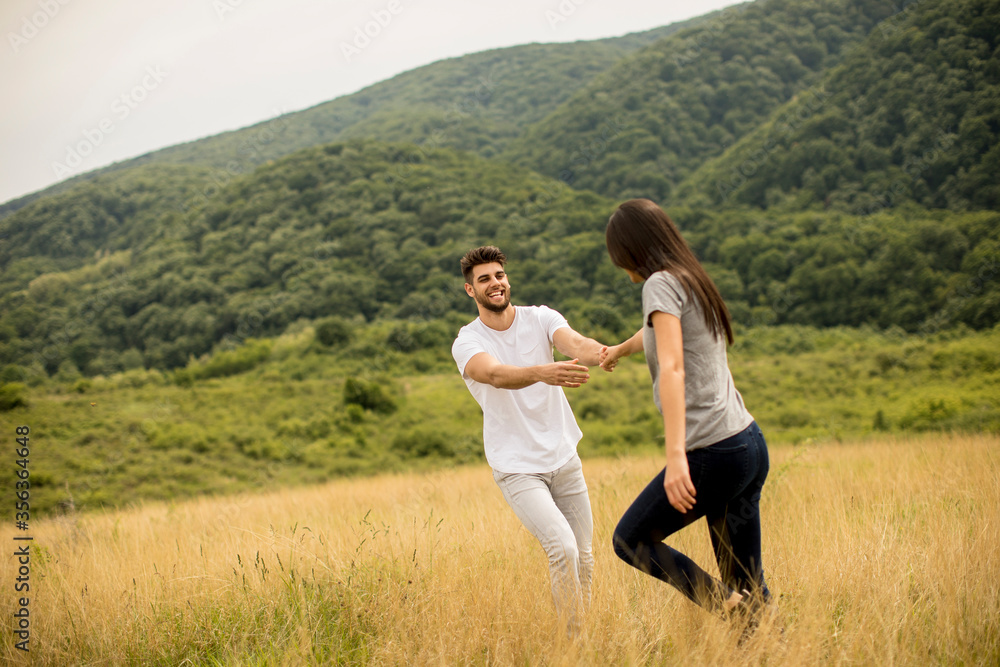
{"x":564,"y":373}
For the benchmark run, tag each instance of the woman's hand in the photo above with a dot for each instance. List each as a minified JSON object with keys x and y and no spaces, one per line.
{"x":610,"y":355}
{"x":677,"y":483}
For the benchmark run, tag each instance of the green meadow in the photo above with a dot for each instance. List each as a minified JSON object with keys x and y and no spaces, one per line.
{"x":292,"y":410}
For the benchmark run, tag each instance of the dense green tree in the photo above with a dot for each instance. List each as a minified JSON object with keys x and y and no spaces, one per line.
{"x":648,"y":122}
{"x":911,"y":114}
{"x":820,"y":150}
{"x":359,"y":258}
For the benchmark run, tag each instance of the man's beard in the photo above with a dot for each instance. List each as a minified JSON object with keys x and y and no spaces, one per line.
{"x":485,"y":302}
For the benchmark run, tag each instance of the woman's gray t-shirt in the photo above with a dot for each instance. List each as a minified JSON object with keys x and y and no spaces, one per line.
{"x":714,"y":409}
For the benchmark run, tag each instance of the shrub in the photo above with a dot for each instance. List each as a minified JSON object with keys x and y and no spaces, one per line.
{"x":401,"y":339}
{"x":594,"y":410}
{"x":929,"y":413}
{"x":131,"y":359}
{"x":369,"y":395}
{"x":422,"y":444}
{"x":226,"y":362}
{"x":239,"y":360}
{"x":12,"y":373}
{"x":13,"y":395}
{"x":411,"y":336}
{"x":333,"y":331}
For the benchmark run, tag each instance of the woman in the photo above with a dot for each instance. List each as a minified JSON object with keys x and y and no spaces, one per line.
{"x":716,"y":457}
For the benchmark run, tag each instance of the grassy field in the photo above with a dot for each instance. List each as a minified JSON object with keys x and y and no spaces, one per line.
{"x":274,"y":414}
{"x":881,"y":551}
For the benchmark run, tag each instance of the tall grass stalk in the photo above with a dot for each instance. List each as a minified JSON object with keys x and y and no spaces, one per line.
{"x":879,"y":552}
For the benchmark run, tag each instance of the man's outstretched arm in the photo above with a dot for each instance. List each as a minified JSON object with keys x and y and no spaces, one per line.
{"x":576,"y":346}
{"x":486,"y":369}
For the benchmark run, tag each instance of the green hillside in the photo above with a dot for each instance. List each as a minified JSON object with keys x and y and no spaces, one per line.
{"x":117,"y":274}
{"x":919,"y":270}
{"x":859,"y":104}
{"x":315,"y":404}
{"x":124,"y":210}
{"x":644,"y":125}
{"x":475,"y":102}
{"x":912,"y":115}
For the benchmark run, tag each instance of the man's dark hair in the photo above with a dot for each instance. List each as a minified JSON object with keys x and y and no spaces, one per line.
{"x":481,"y":255}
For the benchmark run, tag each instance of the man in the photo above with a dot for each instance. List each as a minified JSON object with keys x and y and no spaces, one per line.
{"x":529,"y":432}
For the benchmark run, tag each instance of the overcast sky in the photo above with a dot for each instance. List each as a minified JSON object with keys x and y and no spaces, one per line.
{"x":91,"y":82}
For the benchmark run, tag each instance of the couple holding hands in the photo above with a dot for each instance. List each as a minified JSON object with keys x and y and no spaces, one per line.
{"x":716,"y":457}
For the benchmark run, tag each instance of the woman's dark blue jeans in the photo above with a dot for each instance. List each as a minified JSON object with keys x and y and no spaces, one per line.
{"x":728,"y":477}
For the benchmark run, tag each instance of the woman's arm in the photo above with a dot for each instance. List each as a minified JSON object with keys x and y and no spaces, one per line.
{"x":670,"y":358}
{"x":611,"y":355}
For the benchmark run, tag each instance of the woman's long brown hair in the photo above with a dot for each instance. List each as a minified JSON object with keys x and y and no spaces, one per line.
{"x":642,"y":238}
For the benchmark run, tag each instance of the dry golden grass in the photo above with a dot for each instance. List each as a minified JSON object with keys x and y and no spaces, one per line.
{"x":882,"y":552}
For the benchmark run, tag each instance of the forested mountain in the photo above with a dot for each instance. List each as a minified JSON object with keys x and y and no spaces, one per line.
{"x":843,"y":99}
{"x":369,"y":231}
{"x":913,"y":114}
{"x":475,"y":102}
{"x":361,"y":230}
{"x":644,"y":125}
{"x":123,"y":210}
{"x":884,"y":115}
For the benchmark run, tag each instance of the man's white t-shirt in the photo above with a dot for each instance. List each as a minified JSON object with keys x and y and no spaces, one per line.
{"x":528,"y":430}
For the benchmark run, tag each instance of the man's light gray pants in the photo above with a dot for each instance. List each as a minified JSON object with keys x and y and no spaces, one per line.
{"x":555,"y":508}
